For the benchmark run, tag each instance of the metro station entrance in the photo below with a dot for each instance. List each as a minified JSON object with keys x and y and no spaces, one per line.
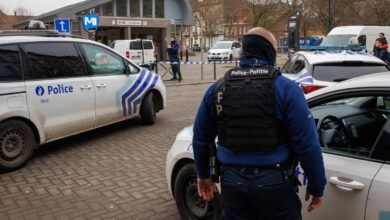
{"x":107,"y":35}
{"x":154,"y":34}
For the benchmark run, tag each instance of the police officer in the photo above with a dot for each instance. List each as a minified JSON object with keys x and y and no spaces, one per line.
{"x":173,"y":54}
{"x":261,"y":120}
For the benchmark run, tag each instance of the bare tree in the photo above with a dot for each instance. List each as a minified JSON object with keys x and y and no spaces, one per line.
{"x":22,"y":11}
{"x":210,"y":11}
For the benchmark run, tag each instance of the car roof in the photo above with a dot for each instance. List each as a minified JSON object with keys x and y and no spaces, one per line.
{"x":320,"y":57}
{"x":29,"y":39}
{"x":376,"y":80}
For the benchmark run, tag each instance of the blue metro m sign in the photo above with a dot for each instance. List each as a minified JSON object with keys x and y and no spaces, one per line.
{"x":90,"y":22}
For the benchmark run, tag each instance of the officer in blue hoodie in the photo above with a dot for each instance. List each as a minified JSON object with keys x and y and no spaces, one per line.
{"x":262,"y":121}
{"x":173,"y":54}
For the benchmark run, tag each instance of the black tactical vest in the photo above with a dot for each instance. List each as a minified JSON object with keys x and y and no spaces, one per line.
{"x":246,"y":110}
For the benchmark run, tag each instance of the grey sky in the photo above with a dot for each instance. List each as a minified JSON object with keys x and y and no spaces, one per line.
{"x":37,"y":7}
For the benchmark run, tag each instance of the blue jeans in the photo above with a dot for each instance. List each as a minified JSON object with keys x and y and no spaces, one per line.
{"x":263,"y":194}
{"x":176,"y":70}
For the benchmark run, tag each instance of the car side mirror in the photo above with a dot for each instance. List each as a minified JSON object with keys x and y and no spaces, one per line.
{"x":130,"y":69}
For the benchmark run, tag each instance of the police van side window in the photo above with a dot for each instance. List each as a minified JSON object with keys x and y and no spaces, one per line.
{"x":102,"y":61}
{"x":10,"y":67}
{"x":53,"y":60}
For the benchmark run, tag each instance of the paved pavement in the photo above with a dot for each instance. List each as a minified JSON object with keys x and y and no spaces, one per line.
{"x":116,"y":172}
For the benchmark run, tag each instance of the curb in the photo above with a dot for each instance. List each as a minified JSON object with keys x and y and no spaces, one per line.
{"x":189,"y":84}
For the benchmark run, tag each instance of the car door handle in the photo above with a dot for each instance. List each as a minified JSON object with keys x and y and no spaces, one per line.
{"x":86,"y":87}
{"x":345,"y":183}
{"x":102,"y":85}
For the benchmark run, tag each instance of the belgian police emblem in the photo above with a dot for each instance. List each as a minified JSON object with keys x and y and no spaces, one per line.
{"x":40,"y":91}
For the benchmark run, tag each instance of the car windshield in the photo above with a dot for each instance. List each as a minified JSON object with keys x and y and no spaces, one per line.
{"x":342,"y":71}
{"x":222,"y":45}
{"x":337,"y":40}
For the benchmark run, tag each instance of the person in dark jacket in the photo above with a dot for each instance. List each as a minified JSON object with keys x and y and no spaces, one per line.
{"x":379,"y":51}
{"x":262,"y":121}
{"x":384,"y":41}
{"x":173,"y":54}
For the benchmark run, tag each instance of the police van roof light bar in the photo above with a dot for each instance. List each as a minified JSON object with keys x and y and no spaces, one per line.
{"x":325,"y":48}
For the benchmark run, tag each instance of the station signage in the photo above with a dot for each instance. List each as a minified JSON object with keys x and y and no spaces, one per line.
{"x":90,"y":22}
{"x":128,"y":23}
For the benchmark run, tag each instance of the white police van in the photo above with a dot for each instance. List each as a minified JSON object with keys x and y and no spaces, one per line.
{"x":52,"y":87}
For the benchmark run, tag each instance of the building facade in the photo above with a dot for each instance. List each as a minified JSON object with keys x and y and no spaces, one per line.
{"x":157,"y":20}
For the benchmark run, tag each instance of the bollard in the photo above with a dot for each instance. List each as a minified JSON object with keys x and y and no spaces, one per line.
{"x":156,"y":67}
{"x":186,"y":55}
{"x":181,"y":54}
{"x":215,"y":70}
{"x":236,"y":62}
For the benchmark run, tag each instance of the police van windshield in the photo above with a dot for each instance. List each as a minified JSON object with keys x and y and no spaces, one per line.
{"x":337,"y":40}
{"x":338,"y":72}
{"x":222,"y":45}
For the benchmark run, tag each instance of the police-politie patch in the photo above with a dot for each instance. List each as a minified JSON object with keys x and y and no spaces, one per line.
{"x":249,"y":72}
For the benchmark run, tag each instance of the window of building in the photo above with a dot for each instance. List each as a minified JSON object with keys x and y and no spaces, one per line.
{"x":160,"y":7}
{"x":148,"y":8}
{"x":10,"y":67}
{"x":134,"y":8}
{"x":53,"y":60}
{"x":108,"y":9}
{"x":121,"y":8}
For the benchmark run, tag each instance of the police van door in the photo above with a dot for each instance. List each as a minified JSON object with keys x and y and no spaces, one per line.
{"x":110,"y":80}
{"x":60,"y":93}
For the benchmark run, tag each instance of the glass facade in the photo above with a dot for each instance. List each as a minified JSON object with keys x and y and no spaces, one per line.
{"x":148,"y":8}
{"x":134,"y":8}
{"x":108,"y":9}
{"x":160,"y":8}
{"x":121,"y":8}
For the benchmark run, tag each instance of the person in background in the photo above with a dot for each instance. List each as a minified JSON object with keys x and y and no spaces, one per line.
{"x":380,"y":51}
{"x":173,"y":54}
{"x":384,"y":41}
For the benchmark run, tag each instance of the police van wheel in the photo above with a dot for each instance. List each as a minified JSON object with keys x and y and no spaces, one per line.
{"x":148,"y":110}
{"x":189,"y":204}
{"x":231,"y":57}
{"x":17,"y":144}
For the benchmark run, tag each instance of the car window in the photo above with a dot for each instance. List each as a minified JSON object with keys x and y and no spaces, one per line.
{"x":294,"y":65}
{"x":350,"y":126}
{"x":53,"y":60}
{"x":337,"y":72}
{"x":10,"y":67}
{"x":135,"y":45}
{"x":147,"y":45}
{"x":382,"y":146}
{"x":103,"y":61}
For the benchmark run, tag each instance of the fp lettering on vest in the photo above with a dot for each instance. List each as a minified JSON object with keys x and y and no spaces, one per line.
{"x":59,"y":89}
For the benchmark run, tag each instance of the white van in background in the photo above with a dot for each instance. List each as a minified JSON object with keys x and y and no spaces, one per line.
{"x":139,"y":51}
{"x":349,"y":35}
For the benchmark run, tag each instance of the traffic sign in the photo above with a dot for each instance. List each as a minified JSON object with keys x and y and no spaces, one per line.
{"x":90,"y":22}
{"x":62,"y":25}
